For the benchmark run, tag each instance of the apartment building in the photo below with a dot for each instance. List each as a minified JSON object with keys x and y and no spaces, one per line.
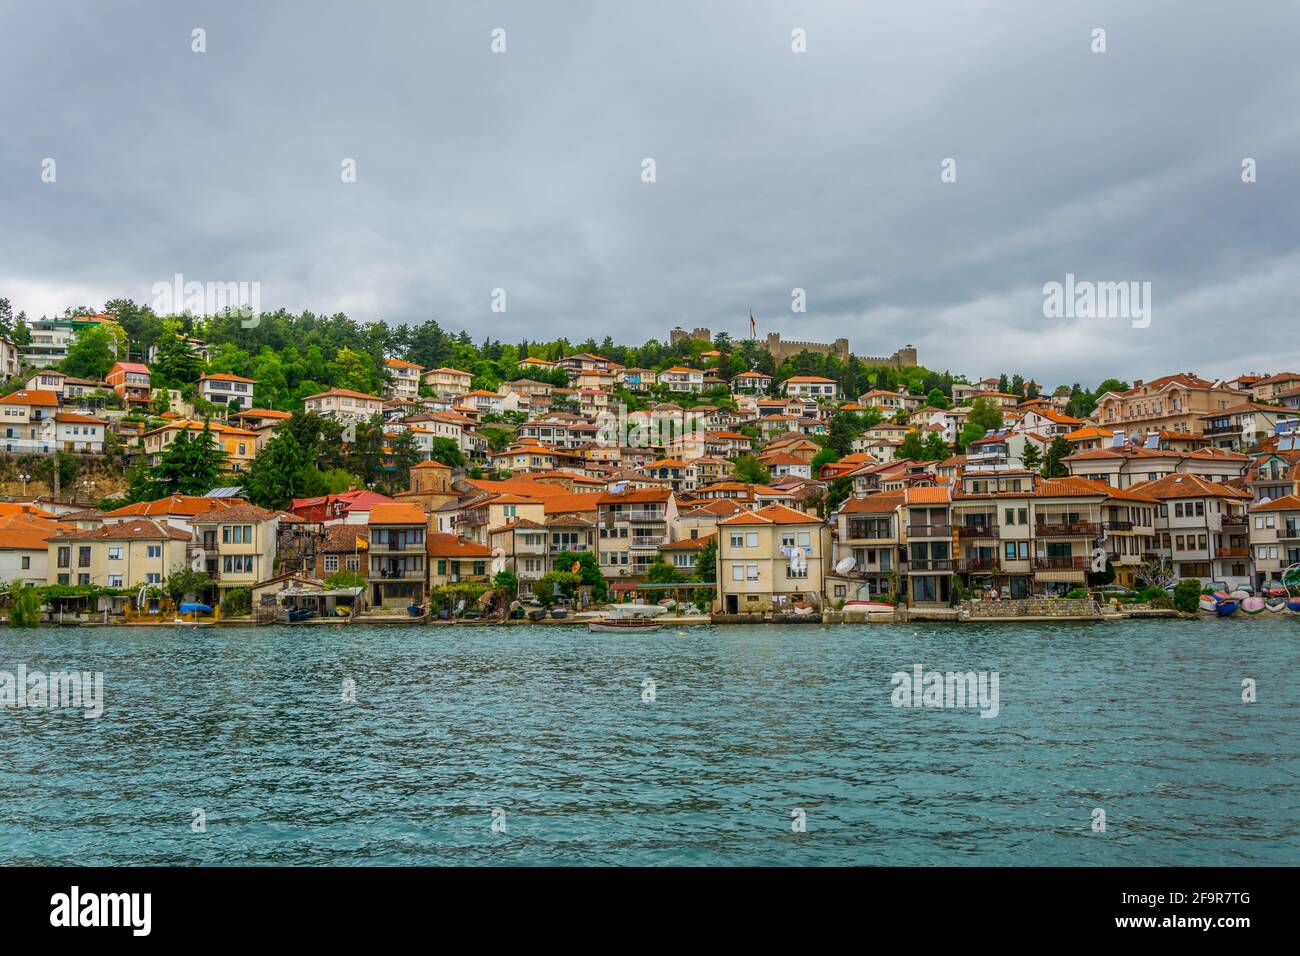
{"x":632,"y":524}
{"x":221,"y":388}
{"x":1177,"y":403}
{"x":523,"y":545}
{"x":403,"y":379}
{"x":236,"y":545}
{"x":1203,"y":527}
{"x":124,"y":554}
{"x":1241,"y":427}
{"x":1274,"y":538}
{"x":771,"y":559}
{"x":344,"y":405}
{"x":636,"y":379}
{"x":682,"y":379}
{"x":397,"y":572}
{"x":866,"y":529}
{"x":811,"y":387}
{"x":26,"y":418}
{"x":448,"y":382}
{"x":1128,"y":465}
{"x":239,"y":444}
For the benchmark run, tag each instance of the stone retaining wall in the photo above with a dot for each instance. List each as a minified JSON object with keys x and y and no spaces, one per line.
{"x":1030,"y":607}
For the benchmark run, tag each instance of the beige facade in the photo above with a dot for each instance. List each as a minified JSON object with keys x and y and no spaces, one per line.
{"x":771,"y":559}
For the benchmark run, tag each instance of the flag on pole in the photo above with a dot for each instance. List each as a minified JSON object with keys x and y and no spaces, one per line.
{"x":751,"y":324}
{"x":361,"y":543}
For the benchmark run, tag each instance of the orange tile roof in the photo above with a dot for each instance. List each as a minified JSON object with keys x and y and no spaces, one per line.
{"x":771,"y":514}
{"x":31,"y":397}
{"x":397,"y":513}
{"x":453,"y":546}
{"x":226,"y":377}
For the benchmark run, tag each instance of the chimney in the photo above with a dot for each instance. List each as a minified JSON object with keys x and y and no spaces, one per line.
{"x":1137,"y":383}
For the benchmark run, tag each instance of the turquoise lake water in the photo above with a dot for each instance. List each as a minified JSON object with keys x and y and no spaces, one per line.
{"x":748,"y":725}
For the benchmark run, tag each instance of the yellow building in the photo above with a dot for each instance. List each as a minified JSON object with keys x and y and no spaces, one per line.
{"x":126,"y":554}
{"x":237,"y":545}
{"x":239,"y":444}
{"x":770,"y":559}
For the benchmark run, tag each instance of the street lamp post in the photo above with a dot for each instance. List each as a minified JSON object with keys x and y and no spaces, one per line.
{"x":24,"y":478}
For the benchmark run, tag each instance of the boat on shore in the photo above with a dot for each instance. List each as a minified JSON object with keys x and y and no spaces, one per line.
{"x":1225,"y":607}
{"x":1252,"y":605}
{"x":1208,"y":604}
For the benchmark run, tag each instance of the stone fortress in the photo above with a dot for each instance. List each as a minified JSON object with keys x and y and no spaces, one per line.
{"x":782,"y":349}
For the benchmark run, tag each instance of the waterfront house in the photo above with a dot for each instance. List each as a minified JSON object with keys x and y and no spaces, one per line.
{"x":1274,"y":538}
{"x":632,"y":524}
{"x":770,"y":559}
{"x":1203,"y":527}
{"x":522,"y":545}
{"x":397,"y":570}
{"x":453,"y":560}
{"x":683,"y":555}
{"x":866,"y":529}
{"x":124,"y":554}
{"x":236,"y":545}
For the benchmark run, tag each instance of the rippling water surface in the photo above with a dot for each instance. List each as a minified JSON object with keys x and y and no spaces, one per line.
{"x":1142,"y":720}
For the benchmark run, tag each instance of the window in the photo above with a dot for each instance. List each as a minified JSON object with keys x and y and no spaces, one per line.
{"x":751,"y":539}
{"x":737,"y":540}
{"x":115,"y":553}
{"x":751,"y":572}
{"x":331,"y":562}
{"x":737,"y":572}
{"x":153,"y":551}
{"x":115,"y":580}
{"x":27,"y":562}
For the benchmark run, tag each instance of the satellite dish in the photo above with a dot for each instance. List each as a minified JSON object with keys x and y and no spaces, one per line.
{"x":845,"y":565}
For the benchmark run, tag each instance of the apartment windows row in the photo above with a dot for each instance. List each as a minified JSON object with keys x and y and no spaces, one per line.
{"x":351,"y":563}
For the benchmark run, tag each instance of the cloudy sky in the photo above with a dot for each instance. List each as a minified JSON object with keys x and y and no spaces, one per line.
{"x":774,"y":170}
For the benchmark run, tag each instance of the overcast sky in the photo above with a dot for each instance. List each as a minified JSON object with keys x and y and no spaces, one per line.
{"x":775,"y":170}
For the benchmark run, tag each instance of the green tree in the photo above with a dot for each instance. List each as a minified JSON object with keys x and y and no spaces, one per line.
{"x":752,"y":471}
{"x":237,"y":602}
{"x":661,"y":572}
{"x":1032,"y":457}
{"x":985,"y":413}
{"x":706,"y":562}
{"x":936,"y":449}
{"x":840,"y":433}
{"x":912,"y":446}
{"x":24,"y":606}
{"x":566,"y":583}
{"x":185,"y":583}
{"x":447,"y":451}
{"x":176,"y":363}
{"x":193,"y":464}
{"x":281,"y":472}
{"x":1053,"y":463}
{"x":588,"y":571}
{"x":92,"y":353}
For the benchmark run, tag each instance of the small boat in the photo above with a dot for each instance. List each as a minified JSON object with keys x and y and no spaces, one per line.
{"x":1275,"y":603}
{"x":1226,"y":607}
{"x":559,"y":613}
{"x":867,"y":606}
{"x":628,"y":618}
{"x":536,"y":614}
{"x":1293,"y":604}
{"x":301,"y":614}
{"x":628,"y":625}
{"x":1208,"y":604}
{"x":1252,"y":605}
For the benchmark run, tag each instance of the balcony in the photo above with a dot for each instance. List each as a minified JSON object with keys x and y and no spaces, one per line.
{"x":967,"y":565}
{"x":868,"y":531}
{"x":476,"y":517}
{"x":987,"y":530}
{"x":1119,"y":525}
{"x":929,"y":531}
{"x":1062,"y":563}
{"x":1232,"y":553}
{"x":398,"y":574}
{"x":1212,"y":430}
{"x":557,"y":548}
{"x":1068,"y":529}
{"x":1289,"y":532}
{"x":643,"y":515}
{"x":1235,"y":520}
{"x":646,"y":543}
{"x":943,"y":565}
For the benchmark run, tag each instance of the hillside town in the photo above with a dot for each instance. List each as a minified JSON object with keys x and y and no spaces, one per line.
{"x":715,"y":477}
